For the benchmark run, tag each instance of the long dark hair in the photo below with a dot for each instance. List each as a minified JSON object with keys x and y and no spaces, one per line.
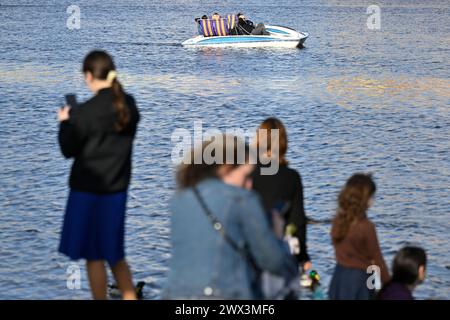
{"x":100,"y":64}
{"x":353,"y":202}
{"x":190,"y":173}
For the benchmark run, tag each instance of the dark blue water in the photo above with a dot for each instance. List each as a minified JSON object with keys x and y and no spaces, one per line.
{"x":353,"y":99}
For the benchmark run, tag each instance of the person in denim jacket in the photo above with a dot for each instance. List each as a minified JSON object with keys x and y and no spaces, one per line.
{"x":204,"y":265}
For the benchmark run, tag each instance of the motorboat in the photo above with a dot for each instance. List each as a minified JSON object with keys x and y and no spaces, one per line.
{"x":281,"y":37}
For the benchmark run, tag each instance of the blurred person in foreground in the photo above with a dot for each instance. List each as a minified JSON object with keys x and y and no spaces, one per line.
{"x":221,"y":239}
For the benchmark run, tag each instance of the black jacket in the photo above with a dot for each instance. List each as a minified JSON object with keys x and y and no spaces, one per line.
{"x":245,"y":27}
{"x":102,"y":155}
{"x":285,"y":185}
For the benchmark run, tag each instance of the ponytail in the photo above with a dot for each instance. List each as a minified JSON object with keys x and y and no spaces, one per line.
{"x":123,"y":116}
{"x":102,"y":67}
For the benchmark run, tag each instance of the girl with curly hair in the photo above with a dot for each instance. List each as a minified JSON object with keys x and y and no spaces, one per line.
{"x":355,"y":242}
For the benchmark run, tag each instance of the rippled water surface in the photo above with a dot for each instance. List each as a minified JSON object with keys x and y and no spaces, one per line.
{"x":353,"y":100}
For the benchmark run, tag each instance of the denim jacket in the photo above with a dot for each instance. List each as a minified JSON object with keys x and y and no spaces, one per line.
{"x":203,"y":264}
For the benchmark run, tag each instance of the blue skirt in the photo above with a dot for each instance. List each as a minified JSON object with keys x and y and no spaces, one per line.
{"x":94,"y":226}
{"x":349,"y":284}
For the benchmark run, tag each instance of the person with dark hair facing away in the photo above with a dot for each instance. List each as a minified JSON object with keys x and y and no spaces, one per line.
{"x":99,"y":135}
{"x":221,"y":240}
{"x":408,"y":271}
{"x":246,"y":27}
{"x":355,"y":242}
{"x":204,"y":17}
{"x":198,"y":21}
{"x":285,"y":186}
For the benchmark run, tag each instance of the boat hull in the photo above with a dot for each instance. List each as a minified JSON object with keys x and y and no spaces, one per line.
{"x":280,"y":37}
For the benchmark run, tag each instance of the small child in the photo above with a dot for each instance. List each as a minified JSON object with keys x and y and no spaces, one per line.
{"x":408,"y":271}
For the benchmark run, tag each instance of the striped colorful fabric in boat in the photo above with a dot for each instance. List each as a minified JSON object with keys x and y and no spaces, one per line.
{"x":231,"y":21}
{"x":221,"y":27}
{"x":214,"y":27}
{"x":206,"y":27}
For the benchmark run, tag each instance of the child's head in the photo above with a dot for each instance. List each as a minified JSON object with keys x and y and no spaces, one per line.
{"x":409,"y":266}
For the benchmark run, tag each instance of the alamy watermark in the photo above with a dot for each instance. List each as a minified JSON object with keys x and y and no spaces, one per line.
{"x":374,"y":19}
{"x":73,"y":276}
{"x":374,"y":280}
{"x":73,"y":22}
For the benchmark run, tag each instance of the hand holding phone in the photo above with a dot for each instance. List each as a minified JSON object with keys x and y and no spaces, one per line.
{"x":71,"y":100}
{"x":63,"y":113}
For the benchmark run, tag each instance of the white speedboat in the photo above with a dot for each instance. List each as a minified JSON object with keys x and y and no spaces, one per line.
{"x":282,"y":37}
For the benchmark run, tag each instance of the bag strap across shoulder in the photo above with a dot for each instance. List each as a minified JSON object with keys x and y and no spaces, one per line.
{"x":218,"y":226}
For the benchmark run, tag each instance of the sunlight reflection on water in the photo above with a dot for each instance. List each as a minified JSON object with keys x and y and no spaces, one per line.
{"x":352,"y":100}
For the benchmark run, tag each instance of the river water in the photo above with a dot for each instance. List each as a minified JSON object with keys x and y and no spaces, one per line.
{"x":353,"y":99}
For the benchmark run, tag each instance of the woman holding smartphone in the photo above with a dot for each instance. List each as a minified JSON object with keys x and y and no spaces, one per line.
{"x":99,"y":135}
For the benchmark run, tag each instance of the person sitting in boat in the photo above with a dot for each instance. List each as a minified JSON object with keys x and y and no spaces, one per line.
{"x":197,"y":21}
{"x":204,"y":17}
{"x":216,"y":25}
{"x":246,"y":27}
{"x":220,"y":26}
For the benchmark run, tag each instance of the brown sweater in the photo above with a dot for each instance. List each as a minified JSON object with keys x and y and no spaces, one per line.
{"x":360,"y":249}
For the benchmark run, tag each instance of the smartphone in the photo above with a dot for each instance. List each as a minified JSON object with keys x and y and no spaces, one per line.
{"x":71,"y":100}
